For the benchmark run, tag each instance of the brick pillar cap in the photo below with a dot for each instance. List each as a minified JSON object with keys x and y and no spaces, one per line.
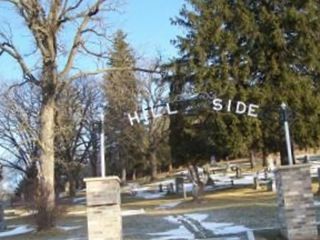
{"x":96,"y":179}
{"x":295,"y":166}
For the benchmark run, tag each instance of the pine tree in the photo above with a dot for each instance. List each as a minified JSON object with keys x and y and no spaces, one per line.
{"x":121,"y":93}
{"x":265,"y":52}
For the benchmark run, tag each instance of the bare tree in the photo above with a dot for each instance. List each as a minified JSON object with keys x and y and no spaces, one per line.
{"x":19,"y":124}
{"x":154,"y":92}
{"x":75,"y":133}
{"x":75,"y":138}
{"x":48,"y":22}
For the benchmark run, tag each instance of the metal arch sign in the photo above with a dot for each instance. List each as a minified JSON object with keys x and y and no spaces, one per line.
{"x":218,"y":104}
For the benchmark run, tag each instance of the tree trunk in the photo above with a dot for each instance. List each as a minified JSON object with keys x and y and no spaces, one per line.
{"x":123,"y":175}
{"x":284,"y":155}
{"x":94,"y":170}
{"x":47,"y":149}
{"x":134,"y":174}
{"x":2,"y":223}
{"x":264,"y":157}
{"x":170,"y":167}
{"x":45,"y":217}
{"x":72,"y":186}
{"x":94,"y":154}
{"x":198,"y":185}
{"x":154,"y":166}
{"x":93,"y":160}
{"x":252,"y":159}
{"x":45,"y":197}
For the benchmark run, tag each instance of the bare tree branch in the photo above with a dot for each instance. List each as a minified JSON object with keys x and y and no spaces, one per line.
{"x":8,"y":48}
{"x":81,"y":74}
{"x":65,"y":10}
{"x":104,"y":55}
{"x":86,"y":15}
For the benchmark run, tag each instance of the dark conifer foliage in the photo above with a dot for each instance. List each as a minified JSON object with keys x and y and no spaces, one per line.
{"x":264,"y":52}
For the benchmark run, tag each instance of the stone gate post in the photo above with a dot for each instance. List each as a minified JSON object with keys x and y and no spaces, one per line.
{"x":296,"y":209}
{"x":103,"y":208}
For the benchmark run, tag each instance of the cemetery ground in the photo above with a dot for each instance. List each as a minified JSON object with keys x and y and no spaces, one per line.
{"x":226,"y":211}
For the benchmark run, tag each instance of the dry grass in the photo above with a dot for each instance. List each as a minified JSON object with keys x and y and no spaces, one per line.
{"x":234,"y":197}
{"x":230,"y":203}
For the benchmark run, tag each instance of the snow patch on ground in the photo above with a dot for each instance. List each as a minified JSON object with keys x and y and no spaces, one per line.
{"x":163,"y":183}
{"x":169,"y":205}
{"x":317,"y":203}
{"x":148,"y":194}
{"x":132,"y":212}
{"x":216,"y":228}
{"x":28,"y":213}
{"x":69,"y":228}
{"x":77,"y":213}
{"x":228,"y":228}
{"x":174,"y":234}
{"x":22,"y":229}
{"x":79,"y":238}
{"x":79,"y":200}
{"x":151,"y":191}
{"x":200,"y":217}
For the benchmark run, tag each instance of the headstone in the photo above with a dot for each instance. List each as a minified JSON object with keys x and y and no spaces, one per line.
{"x":213,"y":161}
{"x":266,"y":175}
{"x":170,"y":188}
{"x":179,"y":181}
{"x":256,"y":183}
{"x":271,"y":185}
{"x":195,"y":190}
{"x":296,"y":209}
{"x":270,"y":163}
{"x":238,"y":172}
{"x":180,"y":188}
{"x":184,"y":192}
{"x":103,"y":208}
{"x":274,"y":186}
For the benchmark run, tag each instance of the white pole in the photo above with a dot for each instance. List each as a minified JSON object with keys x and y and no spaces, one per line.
{"x":102,"y":158}
{"x":286,"y":129}
{"x":287,"y":133}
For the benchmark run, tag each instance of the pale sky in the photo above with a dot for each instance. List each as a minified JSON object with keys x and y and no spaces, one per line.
{"x":147,"y":23}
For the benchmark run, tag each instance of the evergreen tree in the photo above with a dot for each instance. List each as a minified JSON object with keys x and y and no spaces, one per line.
{"x":265,"y":52}
{"x":121,"y":94}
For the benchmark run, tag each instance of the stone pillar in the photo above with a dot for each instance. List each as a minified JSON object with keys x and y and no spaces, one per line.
{"x":103,"y":208}
{"x":296,"y":209}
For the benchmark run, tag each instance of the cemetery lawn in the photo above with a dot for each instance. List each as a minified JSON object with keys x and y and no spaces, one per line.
{"x":241,"y":206}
